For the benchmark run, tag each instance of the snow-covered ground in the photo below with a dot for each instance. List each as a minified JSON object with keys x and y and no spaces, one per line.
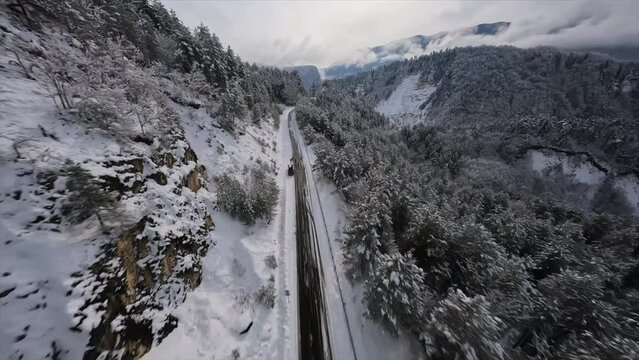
{"x":37,"y":255}
{"x":403,"y":105}
{"x":50,"y":288}
{"x":214,"y":315}
{"x":220,"y":309}
{"x":353,"y":336}
{"x":582,"y":172}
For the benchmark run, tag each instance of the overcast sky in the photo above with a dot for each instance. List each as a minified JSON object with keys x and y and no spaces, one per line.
{"x":327,"y":32}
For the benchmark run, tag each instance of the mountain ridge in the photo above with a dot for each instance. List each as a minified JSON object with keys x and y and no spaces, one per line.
{"x":408,"y":47}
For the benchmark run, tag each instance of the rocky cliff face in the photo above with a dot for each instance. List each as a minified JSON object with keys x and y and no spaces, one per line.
{"x":149,"y":268}
{"x":105,"y":207}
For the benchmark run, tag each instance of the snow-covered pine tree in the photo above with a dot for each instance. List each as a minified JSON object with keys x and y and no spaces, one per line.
{"x":463,"y":327}
{"x":232,"y":107}
{"x":369,"y":234}
{"x":395,"y":293}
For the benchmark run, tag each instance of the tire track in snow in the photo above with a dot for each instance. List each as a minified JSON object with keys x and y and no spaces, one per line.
{"x":286,"y":302}
{"x":311,"y":177}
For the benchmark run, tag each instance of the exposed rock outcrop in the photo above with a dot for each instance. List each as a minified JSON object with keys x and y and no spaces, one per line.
{"x":152,"y":264}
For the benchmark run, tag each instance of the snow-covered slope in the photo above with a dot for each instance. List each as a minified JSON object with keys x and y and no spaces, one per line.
{"x":57,"y":276}
{"x":215,"y":315}
{"x":107,"y":228}
{"x":408,"y":104}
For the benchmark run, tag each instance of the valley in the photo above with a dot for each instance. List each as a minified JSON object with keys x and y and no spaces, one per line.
{"x":161,"y":197}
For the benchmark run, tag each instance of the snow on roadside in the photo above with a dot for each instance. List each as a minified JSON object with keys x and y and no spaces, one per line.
{"x":370,"y":340}
{"x":403,"y":105}
{"x":287,"y":302}
{"x":215,"y":314}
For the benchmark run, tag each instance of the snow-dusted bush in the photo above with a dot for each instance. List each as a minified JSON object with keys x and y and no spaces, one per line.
{"x":101,"y":113}
{"x":87,"y":198}
{"x":264,"y":193}
{"x":271,"y":261}
{"x":232,"y":198}
{"x":249,"y":201}
{"x":238,"y":269}
{"x":235,"y":354}
{"x":265,"y":295}
{"x":243,"y":299}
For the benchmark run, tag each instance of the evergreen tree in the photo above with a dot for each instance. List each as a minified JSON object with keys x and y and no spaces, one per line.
{"x":462,"y":327}
{"x":395,"y":292}
{"x":232,"y":107}
{"x":368,"y":235}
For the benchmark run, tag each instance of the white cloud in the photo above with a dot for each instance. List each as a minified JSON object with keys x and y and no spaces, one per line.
{"x":325,"y":32}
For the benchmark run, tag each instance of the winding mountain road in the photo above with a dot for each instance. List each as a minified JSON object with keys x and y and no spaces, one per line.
{"x":324,"y":331}
{"x":314,"y":332}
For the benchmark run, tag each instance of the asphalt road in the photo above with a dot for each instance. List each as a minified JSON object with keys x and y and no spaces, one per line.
{"x":314,"y":338}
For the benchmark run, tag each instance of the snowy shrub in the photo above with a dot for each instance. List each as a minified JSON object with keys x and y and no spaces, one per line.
{"x":264,"y":193}
{"x":256,"y":199}
{"x":271,"y":261}
{"x":262,"y":111}
{"x":235,"y":354}
{"x":145,"y":107}
{"x":395,"y":292}
{"x":166,"y":49}
{"x":101,"y":114}
{"x":87,"y":198}
{"x":265,"y":295}
{"x":238,"y":269}
{"x":310,"y":135}
{"x":232,"y":198}
{"x":60,"y":70}
{"x":243,"y":299}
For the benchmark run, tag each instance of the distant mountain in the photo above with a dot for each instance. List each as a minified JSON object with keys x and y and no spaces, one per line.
{"x":554,"y":107}
{"x":409,"y":47}
{"x":309,"y":74}
{"x":419,"y":45}
{"x":500,"y":83}
{"x":619,"y":53}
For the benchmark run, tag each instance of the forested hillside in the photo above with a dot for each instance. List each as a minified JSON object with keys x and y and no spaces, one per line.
{"x":504,"y":102}
{"x":107,"y":211}
{"x":501,"y":82}
{"x":455,"y":235}
{"x":492,"y":197}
